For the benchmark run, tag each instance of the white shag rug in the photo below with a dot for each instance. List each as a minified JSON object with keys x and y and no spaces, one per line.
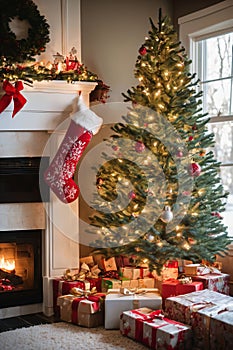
{"x":66,"y":336}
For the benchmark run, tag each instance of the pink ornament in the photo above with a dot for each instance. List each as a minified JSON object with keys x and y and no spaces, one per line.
{"x":142,"y":50}
{"x":115,"y":148}
{"x":131,"y":195}
{"x":139,"y":147}
{"x":179,"y":154}
{"x":194,"y":169}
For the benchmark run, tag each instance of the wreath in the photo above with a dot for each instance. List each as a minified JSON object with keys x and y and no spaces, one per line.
{"x":19,"y":50}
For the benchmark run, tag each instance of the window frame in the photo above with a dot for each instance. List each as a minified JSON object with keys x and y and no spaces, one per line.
{"x":206,"y":23}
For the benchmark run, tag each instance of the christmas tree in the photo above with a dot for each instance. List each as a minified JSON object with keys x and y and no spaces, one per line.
{"x":159,"y":191}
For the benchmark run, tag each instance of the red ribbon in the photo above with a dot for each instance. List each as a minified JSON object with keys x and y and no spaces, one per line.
{"x":12,"y":92}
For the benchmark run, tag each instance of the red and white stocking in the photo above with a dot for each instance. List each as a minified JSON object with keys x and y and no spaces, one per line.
{"x":59,"y":175}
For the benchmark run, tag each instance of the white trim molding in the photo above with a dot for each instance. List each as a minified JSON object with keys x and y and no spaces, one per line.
{"x":213,"y":19}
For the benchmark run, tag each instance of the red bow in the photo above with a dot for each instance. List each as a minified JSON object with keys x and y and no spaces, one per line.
{"x":12,"y":92}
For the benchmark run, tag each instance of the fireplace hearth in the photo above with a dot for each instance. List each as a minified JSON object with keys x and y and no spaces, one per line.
{"x":20,"y":268}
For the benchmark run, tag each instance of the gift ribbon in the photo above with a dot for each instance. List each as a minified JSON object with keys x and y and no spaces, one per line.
{"x":180,"y":327}
{"x":12,"y":92}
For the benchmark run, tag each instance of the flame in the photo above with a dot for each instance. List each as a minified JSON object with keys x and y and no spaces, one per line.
{"x":8,"y":265}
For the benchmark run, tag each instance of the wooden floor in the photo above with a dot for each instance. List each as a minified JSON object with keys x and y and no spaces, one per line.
{"x":11,"y":323}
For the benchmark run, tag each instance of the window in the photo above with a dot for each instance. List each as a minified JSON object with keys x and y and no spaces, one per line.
{"x":208,"y":35}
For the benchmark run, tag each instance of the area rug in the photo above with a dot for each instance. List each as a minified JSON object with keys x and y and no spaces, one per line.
{"x":66,"y":336}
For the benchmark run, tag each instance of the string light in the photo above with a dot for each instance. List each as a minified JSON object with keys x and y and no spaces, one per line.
{"x":186,"y":246}
{"x":161,"y":106}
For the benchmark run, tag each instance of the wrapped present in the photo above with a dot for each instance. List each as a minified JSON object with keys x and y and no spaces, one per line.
{"x":89,"y":260}
{"x":128,"y":283}
{"x":131,"y":322}
{"x":182,"y":308}
{"x":145,"y":272}
{"x":185,"y":288}
{"x":122,"y":261}
{"x":118,"y":301}
{"x":169,"y":288}
{"x":63,"y":287}
{"x":83,"y":310}
{"x":198,"y":269}
{"x":217,"y":282}
{"x":162,"y":333}
{"x":201,"y":321}
{"x":221,"y":329}
{"x":146,"y":282}
{"x":132,"y":273}
{"x":171,"y":264}
{"x":169,"y":270}
{"x":110,"y":283}
{"x":109,"y":264}
{"x":173,"y":287}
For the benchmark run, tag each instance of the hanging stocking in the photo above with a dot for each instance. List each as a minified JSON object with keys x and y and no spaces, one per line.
{"x":59,"y":175}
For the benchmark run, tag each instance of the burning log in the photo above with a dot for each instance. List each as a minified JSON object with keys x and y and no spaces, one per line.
{"x":13,"y":278}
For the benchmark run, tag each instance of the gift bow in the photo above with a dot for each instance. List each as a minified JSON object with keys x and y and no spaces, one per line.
{"x":83,"y":293}
{"x":184,"y":279}
{"x":12,"y":92}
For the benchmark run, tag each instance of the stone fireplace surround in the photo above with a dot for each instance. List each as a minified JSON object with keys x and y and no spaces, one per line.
{"x":26,"y":135}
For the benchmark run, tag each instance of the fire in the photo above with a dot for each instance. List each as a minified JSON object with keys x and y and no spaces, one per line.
{"x":8,"y":265}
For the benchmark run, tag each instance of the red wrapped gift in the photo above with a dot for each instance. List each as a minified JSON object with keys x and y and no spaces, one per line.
{"x":188,"y":287}
{"x":62,"y":287}
{"x":173,"y":287}
{"x":131,"y":322}
{"x":169,"y":288}
{"x":171,"y":264}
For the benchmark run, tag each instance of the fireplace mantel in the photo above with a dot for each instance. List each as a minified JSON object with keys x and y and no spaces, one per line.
{"x":45,"y":117}
{"x":48,"y":104}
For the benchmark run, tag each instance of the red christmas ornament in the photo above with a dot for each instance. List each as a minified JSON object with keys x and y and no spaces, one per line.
{"x":131,"y":195}
{"x":142,"y":50}
{"x":194,"y":127}
{"x":139,"y":147}
{"x":217,"y":215}
{"x":190,"y":138}
{"x":191,"y":240}
{"x":194,"y":169}
{"x":99,"y":182}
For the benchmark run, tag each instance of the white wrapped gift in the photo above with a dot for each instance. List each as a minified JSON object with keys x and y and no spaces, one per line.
{"x":118,"y":301}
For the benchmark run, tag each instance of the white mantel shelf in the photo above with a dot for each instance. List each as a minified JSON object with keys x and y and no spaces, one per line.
{"x":48,"y":104}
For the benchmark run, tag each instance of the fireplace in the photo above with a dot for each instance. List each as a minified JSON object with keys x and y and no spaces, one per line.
{"x":20,"y":268}
{"x":21,"y":250}
{"x":42,"y":235}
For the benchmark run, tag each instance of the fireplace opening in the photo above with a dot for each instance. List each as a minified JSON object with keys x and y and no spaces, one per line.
{"x":19,"y":180}
{"x":20,"y":268}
